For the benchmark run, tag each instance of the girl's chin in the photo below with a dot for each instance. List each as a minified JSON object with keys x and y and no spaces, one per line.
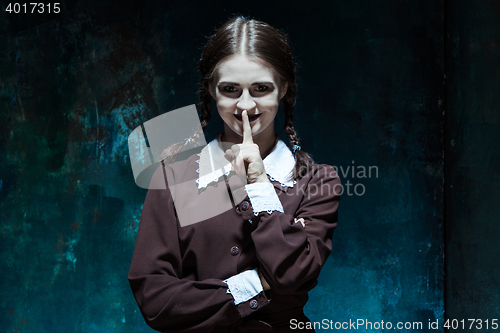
{"x":238,"y":129}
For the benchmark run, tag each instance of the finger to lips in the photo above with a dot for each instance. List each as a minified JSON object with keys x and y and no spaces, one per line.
{"x":247,"y":130}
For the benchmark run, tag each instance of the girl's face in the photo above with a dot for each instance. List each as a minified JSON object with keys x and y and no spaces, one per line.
{"x":244,"y":84}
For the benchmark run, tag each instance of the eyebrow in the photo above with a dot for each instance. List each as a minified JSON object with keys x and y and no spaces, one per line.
{"x":253,"y":84}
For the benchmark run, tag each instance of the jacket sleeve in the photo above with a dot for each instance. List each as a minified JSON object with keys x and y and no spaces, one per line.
{"x":293,"y":246}
{"x":169,"y":302}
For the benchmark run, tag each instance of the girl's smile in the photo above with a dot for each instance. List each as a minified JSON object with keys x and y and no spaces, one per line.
{"x":250,"y":117}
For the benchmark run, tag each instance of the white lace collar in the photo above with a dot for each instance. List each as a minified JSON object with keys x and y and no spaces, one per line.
{"x":279,"y":164}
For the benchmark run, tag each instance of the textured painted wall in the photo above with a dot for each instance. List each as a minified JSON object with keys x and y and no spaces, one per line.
{"x":73,"y":87}
{"x":380,"y":83}
{"x":473,"y":163}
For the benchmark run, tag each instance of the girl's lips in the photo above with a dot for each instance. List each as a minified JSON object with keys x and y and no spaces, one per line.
{"x":251,"y":117}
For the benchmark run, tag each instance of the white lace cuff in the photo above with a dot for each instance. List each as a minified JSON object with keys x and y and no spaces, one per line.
{"x":263,"y":198}
{"x":244,"y":286}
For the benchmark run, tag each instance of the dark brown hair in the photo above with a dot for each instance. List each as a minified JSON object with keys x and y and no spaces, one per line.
{"x":262,"y":41}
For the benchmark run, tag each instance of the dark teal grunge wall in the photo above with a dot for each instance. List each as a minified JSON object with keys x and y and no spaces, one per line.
{"x":372,"y":93}
{"x":473,"y":164}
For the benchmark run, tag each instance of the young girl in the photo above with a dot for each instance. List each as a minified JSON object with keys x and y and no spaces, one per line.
{"x":247,"y":266}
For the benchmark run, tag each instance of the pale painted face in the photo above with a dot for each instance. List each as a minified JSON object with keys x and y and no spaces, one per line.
{"x":245,"y":84}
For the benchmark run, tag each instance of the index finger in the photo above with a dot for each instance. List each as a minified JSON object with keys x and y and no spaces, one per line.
{"x":247,"y":130}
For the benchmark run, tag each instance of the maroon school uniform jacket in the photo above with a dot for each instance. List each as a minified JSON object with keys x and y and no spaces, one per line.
{"x":201,"y":225}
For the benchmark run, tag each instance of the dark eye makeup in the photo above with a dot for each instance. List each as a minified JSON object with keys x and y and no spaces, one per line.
{"x":229,"y":89}
{"x":258,"y":87}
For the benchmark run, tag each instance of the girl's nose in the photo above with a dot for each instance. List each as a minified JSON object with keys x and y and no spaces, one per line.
{"x":246,"y":101}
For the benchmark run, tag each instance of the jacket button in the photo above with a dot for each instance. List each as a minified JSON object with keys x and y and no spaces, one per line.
{"x":245,"y":205}
{"x":238,"y":211}
{"x":254,"y":304}
{"x":235,"y":250}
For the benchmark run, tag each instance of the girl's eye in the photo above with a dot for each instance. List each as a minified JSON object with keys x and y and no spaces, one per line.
{"x":229,"y":89}
{"x":261,"y":88}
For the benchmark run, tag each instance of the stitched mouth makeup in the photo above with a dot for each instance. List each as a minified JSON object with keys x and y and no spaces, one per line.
{"x":251,"y":118}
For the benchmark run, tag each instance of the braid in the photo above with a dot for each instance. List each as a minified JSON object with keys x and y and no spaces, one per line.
{"x":170,"y":154}
{"x":289,"y":101}
{"x":303,"y":160}
{"x":205,"y":104}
